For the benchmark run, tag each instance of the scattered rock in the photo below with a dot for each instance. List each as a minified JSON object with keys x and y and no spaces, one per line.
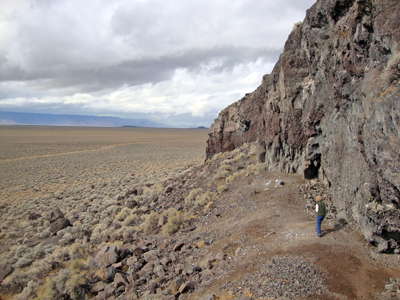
{"x":391,"y":290}
{"x":107,"y":256}
{"x":131,"y":203}
{"x":34,"y":216}
{"x":284,"y":276}
{"x":98,"y":287}
{"x":209,"y":297}
{"x":178,"y":247}
{"x":120,"y":279}
{"x":187,"y":287}
{"x":57,"y":221}
{"x":169,"y":189}
{"x":150,"y":255}
{"x":5,"y":270}
{"x":106,"y":274}
{"x":383,"y":246}
{"x":139,"y":251}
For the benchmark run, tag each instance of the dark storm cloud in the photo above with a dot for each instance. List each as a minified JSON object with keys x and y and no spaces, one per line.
{"x":136,"y":72}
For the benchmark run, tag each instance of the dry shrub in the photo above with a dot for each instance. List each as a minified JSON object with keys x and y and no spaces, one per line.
{"x":111,"y":211}
{"x":235,"y":176}
{"x":116,"y":234}
{"x":60,"y":254}
{"x":392,"y":71}
{"x":226,"y":165}
{"x":69,"y":281}
{"x":208,"y":206}
{"x":22,"y":251}
{"x":39,"y":268}
{"x":67,"y":239}
{"x":218,"y":156}
{"x":75,"y":286}
{"x":98,"y":233}
{"x":221,"y":174}
{"x":24,"y":262}
{"x":151,"y":193}
{"x":48,"y":291}
{"x":226,"y":296}
{"x":256,"y":169}
{"x":236,"y":151}
{"x":238,"y":157}
{"x":150,"y":224}
{"x":192,"y":196}
{"x":198,"y":198}
{"x":128,"y":232}
{"x":205,"y":198}
{"x":29,"y":292}
{"x":175,"y":220}
{"x":221,"y":188}
{"x":252,"y":149}
{"x":121,"y":216}
{"x":78,"y":251}
{"x":132,"y":220}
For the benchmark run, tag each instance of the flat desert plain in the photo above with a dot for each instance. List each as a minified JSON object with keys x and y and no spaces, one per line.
{"x":49,"y":174}
{"x":101,"y":213}
{"x":37,"y":161}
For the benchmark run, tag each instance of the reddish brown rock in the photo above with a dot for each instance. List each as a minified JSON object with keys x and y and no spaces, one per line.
{"x":330,"y":110}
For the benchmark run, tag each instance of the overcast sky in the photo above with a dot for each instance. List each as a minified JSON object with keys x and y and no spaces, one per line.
{"x":177,"y":62}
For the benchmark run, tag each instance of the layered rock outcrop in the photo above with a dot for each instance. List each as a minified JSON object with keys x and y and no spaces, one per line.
{"x":330,"y":109}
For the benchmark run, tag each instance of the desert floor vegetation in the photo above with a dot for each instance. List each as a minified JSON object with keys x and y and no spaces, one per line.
{"x":80,"y":220}
{"x":146,"y":236}
{"x":102,"y":181}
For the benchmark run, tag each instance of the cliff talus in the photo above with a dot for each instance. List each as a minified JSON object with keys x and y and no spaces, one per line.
{"x":331,"y":109}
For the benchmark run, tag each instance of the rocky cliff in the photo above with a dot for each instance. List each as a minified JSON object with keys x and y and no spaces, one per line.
{"x":330,"y":109}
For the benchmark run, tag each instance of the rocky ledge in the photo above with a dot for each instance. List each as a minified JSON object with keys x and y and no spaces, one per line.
{"x":330,"y":110}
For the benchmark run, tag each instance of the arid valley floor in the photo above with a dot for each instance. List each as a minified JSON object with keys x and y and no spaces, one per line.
{"x":96,"y":213}
{"x":39,"y":160}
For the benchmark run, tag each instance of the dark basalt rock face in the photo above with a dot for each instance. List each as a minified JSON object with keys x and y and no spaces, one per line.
{"x":330,"y":109}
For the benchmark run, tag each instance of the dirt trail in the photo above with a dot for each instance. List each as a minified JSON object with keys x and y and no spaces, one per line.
{"x":102,"y":148}
{"x":253,"y":224}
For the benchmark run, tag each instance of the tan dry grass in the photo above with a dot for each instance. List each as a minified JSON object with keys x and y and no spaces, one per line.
{"x":38,"y":161}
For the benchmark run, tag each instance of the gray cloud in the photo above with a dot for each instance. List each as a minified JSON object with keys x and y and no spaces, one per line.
{"x":134,"y":72}
{"x":52,"y":51}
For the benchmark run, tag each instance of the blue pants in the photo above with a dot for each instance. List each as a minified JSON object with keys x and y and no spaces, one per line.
{"x":319,"y":222}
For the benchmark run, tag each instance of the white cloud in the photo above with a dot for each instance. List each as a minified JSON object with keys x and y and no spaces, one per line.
{"x":196,"y":93}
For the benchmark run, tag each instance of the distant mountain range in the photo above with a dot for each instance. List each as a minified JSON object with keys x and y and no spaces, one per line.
{"x":19,"y":118}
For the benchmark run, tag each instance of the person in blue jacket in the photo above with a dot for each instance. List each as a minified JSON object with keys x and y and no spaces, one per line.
{"x":320,"y":209}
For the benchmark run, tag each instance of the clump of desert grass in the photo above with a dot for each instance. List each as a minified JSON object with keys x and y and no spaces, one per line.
{"x":198,"y":199}
{"x":39,"y":281}
{"x":150,"y":224}
{"x":69,"y":281}
{"x":222,"y":188}
{"x":175,"y":219}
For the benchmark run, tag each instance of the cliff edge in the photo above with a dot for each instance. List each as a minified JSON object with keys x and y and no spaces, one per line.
{"x":330,"y":109}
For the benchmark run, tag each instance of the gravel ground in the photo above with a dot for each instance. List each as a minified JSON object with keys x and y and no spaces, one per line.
{"x":283,"y":276}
